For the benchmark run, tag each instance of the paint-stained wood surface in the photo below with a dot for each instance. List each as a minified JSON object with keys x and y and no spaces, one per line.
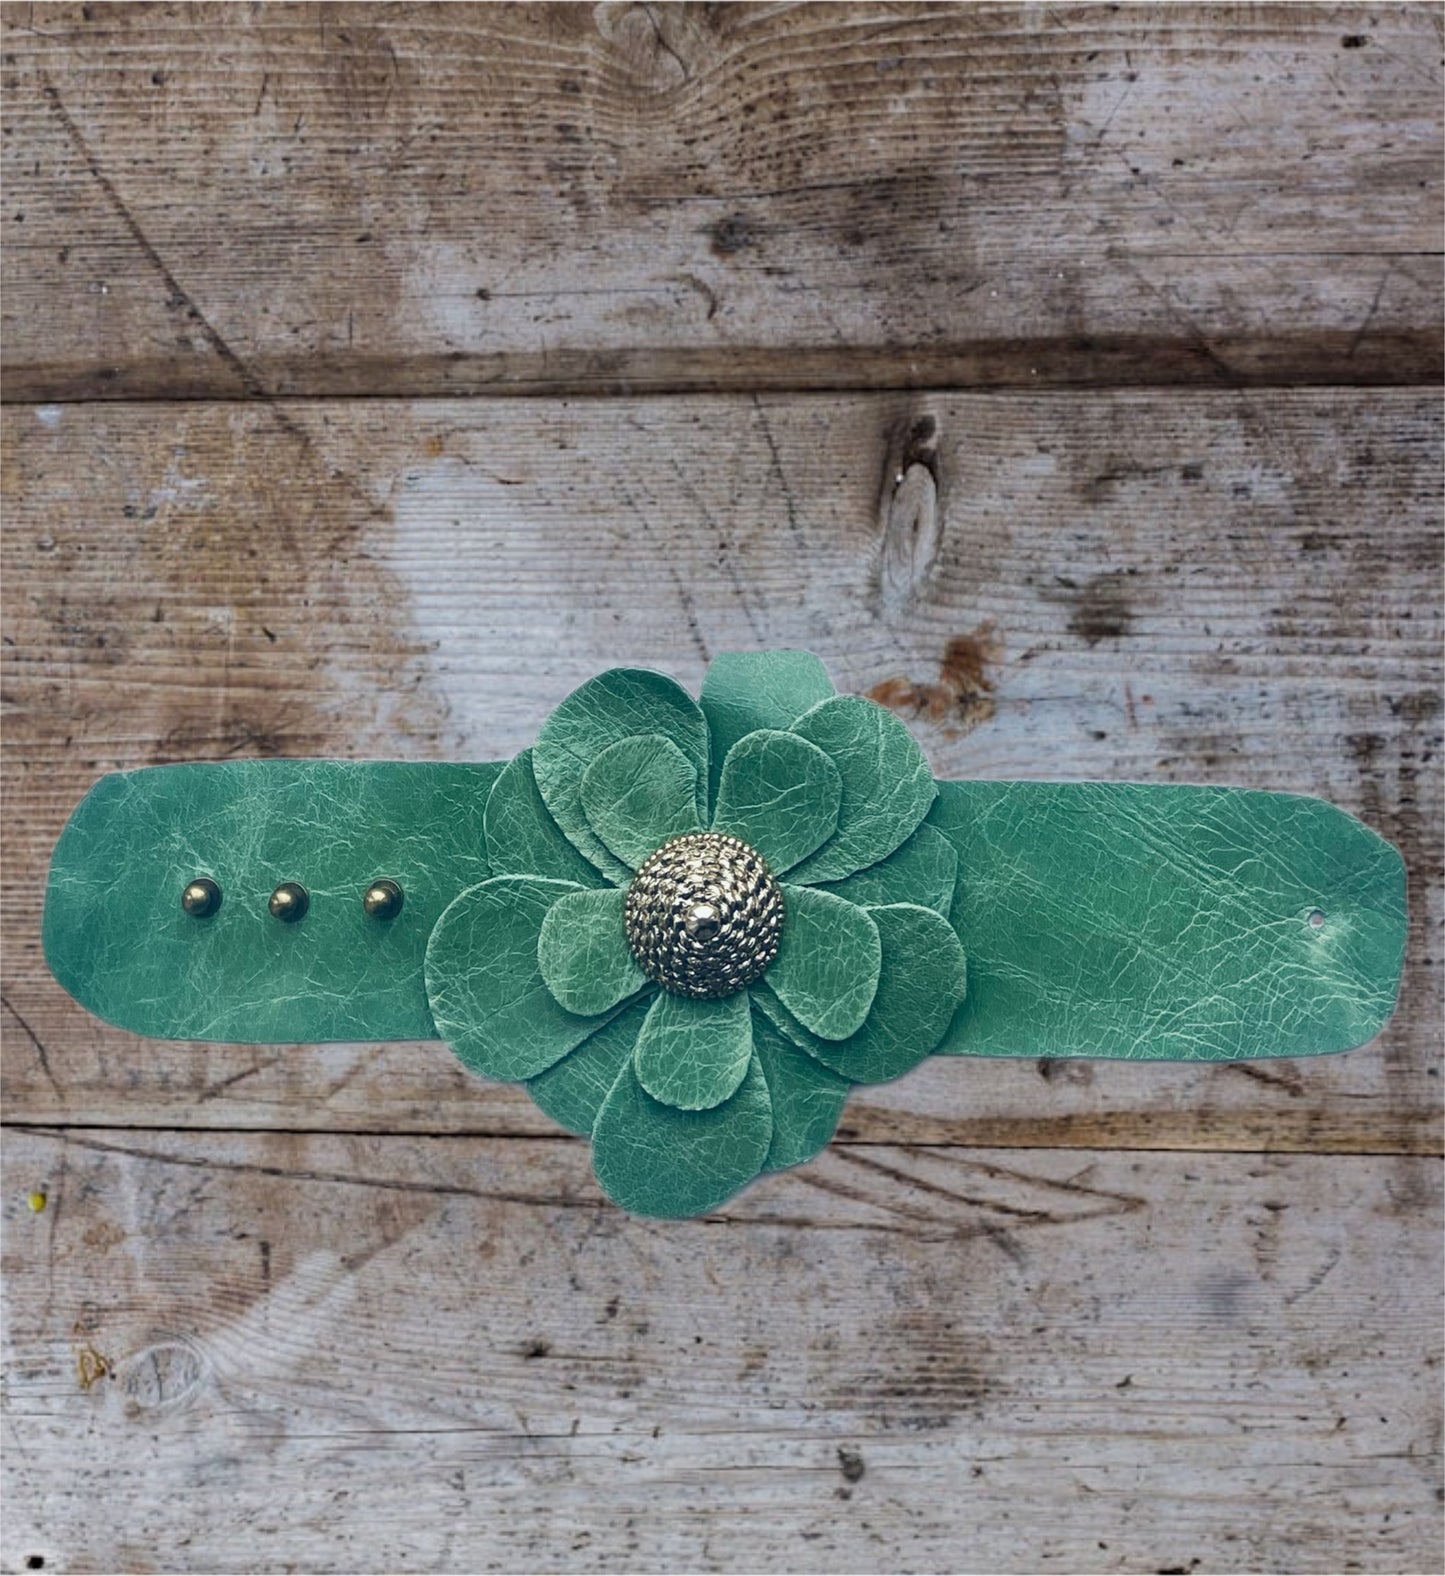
{"x":344,"y":1308}
{"x":427,"y":199}
{"x":898,"y":1358}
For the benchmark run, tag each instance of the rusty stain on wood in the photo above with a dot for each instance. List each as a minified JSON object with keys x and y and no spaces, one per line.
{"x":962,"y":696}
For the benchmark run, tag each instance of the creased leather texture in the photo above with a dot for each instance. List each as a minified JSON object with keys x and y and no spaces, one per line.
{"x":1120,"y":919}
{"x":991,"y":919}
{"x":780,"y":795}
{"x":827,"y":967}
{"x":694,"y":1054}
{"x":116,"y":938}
{"x":655,"y":1159}
{"x":1147,"y":920}
{"x":887,"y":787}
{"x":535,"y":980}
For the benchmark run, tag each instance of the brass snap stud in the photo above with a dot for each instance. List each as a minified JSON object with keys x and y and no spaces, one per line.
{"x":289,"y":901}
{"x":201,"y":897}
{"x":383,"y":899}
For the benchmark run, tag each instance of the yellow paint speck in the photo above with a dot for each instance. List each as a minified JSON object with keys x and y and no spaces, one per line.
{"x":37,"y":1201}
{"x":91,"y":1365}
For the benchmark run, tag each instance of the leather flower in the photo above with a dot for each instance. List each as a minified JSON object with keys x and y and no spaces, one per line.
{"x":704,"y":922}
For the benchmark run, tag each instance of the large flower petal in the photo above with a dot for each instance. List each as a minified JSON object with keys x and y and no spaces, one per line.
{"x":653,"y":1159}
{"x":639,"y":792}
{"x":486,"y":993}
{"x":693,"y":1054}
{"x":807,"y":1098}
{"x":829,"y":954}
{"x":618,"y":704}
{"x":747,"y":690}
{"x":924,"y":870}
{"x":522,"y":837}
{"x":583,"y":954}
{"x":887,"y":786}
{"x":571,"y":1091}
{"x":919,"y":986}
{"x":780,"y":794}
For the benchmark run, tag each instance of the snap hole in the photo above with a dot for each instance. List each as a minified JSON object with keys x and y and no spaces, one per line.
{"x":1316,"y":919}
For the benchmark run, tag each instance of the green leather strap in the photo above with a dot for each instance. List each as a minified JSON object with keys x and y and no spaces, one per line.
{"x":1097,"y":919}
{"x":1147,"y":920}
{"x":116,"y":937}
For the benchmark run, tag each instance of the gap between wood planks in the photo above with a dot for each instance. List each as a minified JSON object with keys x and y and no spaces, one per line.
{"x":1141,"y":1145}
{"x":1327,"y":359}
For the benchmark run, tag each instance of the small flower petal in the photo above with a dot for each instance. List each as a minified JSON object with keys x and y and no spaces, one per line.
{"x":583,"y":954}
{"x":693,"y":1054}
{"x":780,"y":794}
{"x":924,"y":870}
{"x":654,"y":1159}
{"x":522,"y":837}
{"x":747,"y":690}
{"x":618,"y":704}
{"x":887,"y":786}
{"x":571,"y":1091}
{"x":639,"y":792}
{"x":807,"y":1098}
{"x":486,"y":993}
{"x":826,"y":971}
{"x":920,"y":985}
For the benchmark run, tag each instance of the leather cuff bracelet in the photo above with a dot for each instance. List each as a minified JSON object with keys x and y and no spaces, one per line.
{"x":691,"y":926}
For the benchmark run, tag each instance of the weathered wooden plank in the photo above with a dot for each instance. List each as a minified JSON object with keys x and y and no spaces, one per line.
{"x":1212,"y":587}
{"x":213,"y":201}
{"x":451,"y":1354}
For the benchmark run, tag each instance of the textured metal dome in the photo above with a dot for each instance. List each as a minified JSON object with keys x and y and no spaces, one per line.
{"x":703,"y":915}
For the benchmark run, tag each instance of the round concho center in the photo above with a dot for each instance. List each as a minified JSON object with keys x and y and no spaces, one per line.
{"x":703,"y":915}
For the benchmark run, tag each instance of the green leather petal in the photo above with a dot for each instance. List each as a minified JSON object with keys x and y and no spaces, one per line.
{"x":887,"y":786}
{"x":486,"y":990}
{"x":583,"y":955}
{"x":618,"y":704}
{"x":571,"y":1091}
{"x":116,"y":939}
{"x":654,"y":1159}
{"x":924,"y":870}
{"x":746,"y":690}
{"x":522,"y":837}
{"x":829,"y":957}
{"x":807,"y":1098}
{"x":1147,"y":920}
{"x":919,"y":985}
{"x":693,"y":1054}
{"x":639,"y":792}
{"x":780,"y":794}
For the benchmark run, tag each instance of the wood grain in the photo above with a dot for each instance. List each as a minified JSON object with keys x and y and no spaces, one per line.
{"x":235,"y":201}
{"x":452,"y":1354}
{"x":1232,"y":587}
{"x":343,"y":1307}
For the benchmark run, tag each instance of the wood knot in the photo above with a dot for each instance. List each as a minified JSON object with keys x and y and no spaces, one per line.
{"x":912,"y":514}
{"x":162,"y":1376}
{"x":648,"y":42}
